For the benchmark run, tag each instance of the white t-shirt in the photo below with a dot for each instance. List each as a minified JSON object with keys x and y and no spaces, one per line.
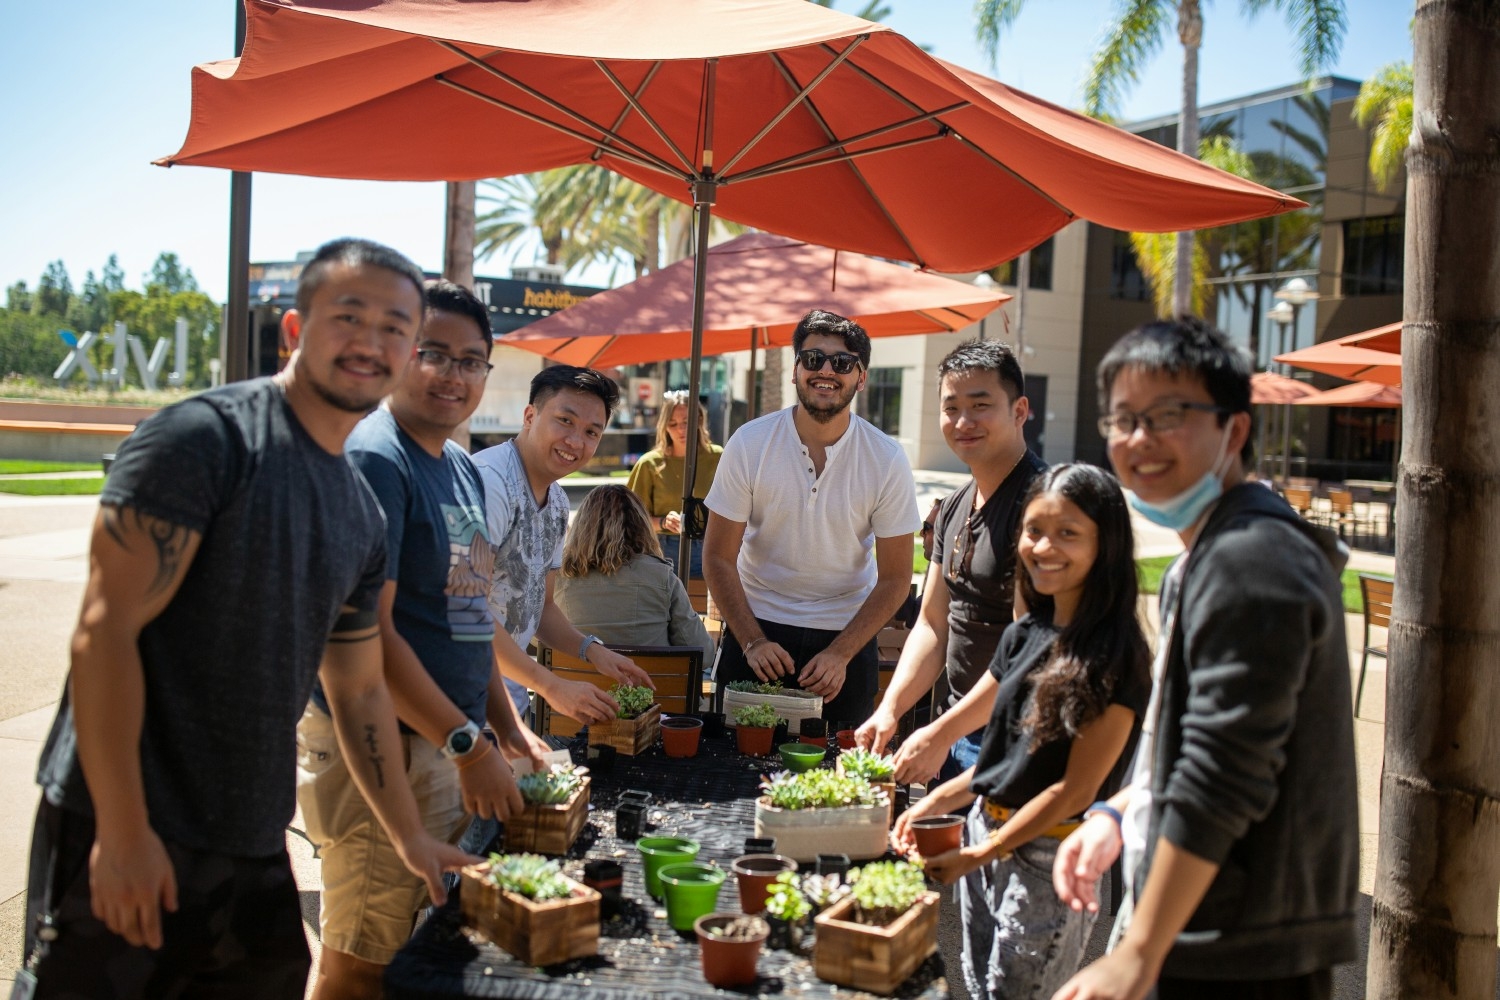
{"x":1136,"y":824}
{"x":528,"y":544}
{"x":807,"y":556}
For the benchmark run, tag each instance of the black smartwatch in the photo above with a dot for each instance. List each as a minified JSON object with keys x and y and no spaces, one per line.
{"x":460,"y":741}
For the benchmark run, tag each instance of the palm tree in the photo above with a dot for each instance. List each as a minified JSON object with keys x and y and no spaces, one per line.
{"x":1432,"y":924}
{"x":1135,"y":36}
{"x":1386,"y":100}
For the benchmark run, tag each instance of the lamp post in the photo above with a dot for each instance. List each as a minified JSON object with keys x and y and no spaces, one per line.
{"x":1293,"y":295}
{"x":1281,"y":314}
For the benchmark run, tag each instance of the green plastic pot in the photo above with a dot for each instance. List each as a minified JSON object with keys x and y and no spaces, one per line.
{"x":658,"y":852}
{"x":692,"y":891}
{"x":801,"y":756}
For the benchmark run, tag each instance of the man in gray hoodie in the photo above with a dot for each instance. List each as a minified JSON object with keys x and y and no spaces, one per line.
{"x":1240,"y":826}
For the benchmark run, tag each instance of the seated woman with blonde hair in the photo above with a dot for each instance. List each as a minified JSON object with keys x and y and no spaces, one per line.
{"x":616,"y":585}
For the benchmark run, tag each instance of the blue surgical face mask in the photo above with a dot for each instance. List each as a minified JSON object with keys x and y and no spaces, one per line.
{"x":1181,"y":512}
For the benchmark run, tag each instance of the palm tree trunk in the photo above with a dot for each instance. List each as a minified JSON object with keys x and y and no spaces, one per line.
{"x":1432,"y":929}
{"x":458,"y":256}
{"x":1190,"y":31}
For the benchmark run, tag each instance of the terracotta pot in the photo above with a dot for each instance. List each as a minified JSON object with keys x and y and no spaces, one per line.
{"x":755,"y":873}
{"x":680,"y":735}
{"x":727,"y":961}
{"x":938,"y":834}
{"x":754,"y":742}
{"x":845,"y":738}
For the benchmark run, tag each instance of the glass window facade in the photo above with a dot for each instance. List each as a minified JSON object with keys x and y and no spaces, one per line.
{"x":1373,"y":255}
{"x":1040,"y":277}
{"x":880,"y":403}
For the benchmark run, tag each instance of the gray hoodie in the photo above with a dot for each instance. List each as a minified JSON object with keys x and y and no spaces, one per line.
{"x":1254,"y":764}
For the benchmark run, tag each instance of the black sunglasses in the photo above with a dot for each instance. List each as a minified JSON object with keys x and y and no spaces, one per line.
{"x":812,"y":359}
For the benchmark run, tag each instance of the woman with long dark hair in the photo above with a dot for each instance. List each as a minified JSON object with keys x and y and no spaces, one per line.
{"x":1063,"y":695}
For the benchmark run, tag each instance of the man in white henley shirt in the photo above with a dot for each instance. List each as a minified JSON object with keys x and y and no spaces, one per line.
{"x":809,"y":541}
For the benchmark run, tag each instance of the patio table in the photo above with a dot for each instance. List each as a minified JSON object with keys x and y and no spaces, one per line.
{"x":709,"y":798}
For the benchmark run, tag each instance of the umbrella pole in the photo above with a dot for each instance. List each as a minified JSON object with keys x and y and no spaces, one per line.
{"x":753,"y":402}
{"x":705,"y":190}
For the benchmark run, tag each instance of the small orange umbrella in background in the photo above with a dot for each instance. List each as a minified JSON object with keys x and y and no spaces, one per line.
{"x":1271,"y":388}
{"x":1368,"y":394}
{"x":1353,"y":357}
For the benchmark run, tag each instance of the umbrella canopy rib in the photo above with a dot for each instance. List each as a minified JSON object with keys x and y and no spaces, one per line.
{"x":803,"y":95}
{"x":633,"y":100}
{"x":599,"y":144}
{"x":795,"y":161}
{"x":554,"y":104}
{"x":624,"y":113}
{"x":817,"y":116}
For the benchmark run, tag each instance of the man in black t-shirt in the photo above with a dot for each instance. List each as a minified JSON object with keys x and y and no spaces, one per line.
{"x":969,"y":595}
{"x":236,"y":555}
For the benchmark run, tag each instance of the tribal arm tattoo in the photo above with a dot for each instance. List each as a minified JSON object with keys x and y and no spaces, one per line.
{"x":127,"y":525}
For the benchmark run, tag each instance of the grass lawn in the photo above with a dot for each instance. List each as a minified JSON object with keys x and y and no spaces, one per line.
{"x":23,"y":466}
{"x":1151,"y":570}
{"x":53,"y":487}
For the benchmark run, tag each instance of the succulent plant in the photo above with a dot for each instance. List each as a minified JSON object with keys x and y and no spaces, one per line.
{"x":784,"y":899}
{"x":884,"y":890}
{"x":755,"y":687}
{"x":861,"y":763}
{"x":530,"y":875}
{"x":755,"y":716}
{"x":632,"y":700}
{"x":548,"y":788}
{"x":819,"y":790}
{"x":822,"y":891}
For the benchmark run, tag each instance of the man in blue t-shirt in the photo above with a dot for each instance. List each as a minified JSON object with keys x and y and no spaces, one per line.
{"x":236,"y":557}
{"x":436,"y":627}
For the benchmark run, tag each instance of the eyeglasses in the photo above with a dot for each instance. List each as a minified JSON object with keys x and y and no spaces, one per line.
{"x":469,"y":369}
{"x":1156,"y":419}
{"x":812,"y":359}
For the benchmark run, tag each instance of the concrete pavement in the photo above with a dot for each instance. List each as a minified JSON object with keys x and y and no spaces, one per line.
{"x":43,"y":564}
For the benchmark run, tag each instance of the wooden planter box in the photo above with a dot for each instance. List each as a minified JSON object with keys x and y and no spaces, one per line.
{"x":791,"y":707}
{"x":876,"y":959}
{"x":549,"y":829}
{"x":629,"y":736}
{"x":536,"y":933}
{"x":803,"y":834}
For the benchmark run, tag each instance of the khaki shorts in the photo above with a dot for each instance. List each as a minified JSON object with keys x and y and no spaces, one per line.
{"x":369,"y":899}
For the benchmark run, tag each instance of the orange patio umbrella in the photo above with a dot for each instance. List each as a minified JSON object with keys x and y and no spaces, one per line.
{"x":1352,"y":357}
{"x":759,"y":286}
{"x":779,"y":114}
{"x":1271,"y":388}
{"x":1369,"y":394}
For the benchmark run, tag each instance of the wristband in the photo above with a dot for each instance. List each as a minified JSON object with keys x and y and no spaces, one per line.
{"x":751,"y":645}
{"x":583,"y":648}
{"x":481,"y":749}
{"x":1105,"y":809}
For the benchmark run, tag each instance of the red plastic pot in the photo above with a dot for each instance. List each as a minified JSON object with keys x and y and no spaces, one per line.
{"x":755,"y":873}
{"x":756,"y":742}
{"x":680,"y":735}
{"x":937,"y":834}
{"x":730,"y":961}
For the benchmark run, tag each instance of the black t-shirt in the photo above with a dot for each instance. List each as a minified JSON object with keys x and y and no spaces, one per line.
{"x":981,"y":586}
{"x":1008,"y":770}
{"x":290,"y":533}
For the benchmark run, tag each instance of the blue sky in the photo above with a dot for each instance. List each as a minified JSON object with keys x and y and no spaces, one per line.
{"x":96,"y":90}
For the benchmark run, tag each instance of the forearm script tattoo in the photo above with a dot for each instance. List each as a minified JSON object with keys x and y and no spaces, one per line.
{"x":127,"y":526}
{"x":377,"y":759}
